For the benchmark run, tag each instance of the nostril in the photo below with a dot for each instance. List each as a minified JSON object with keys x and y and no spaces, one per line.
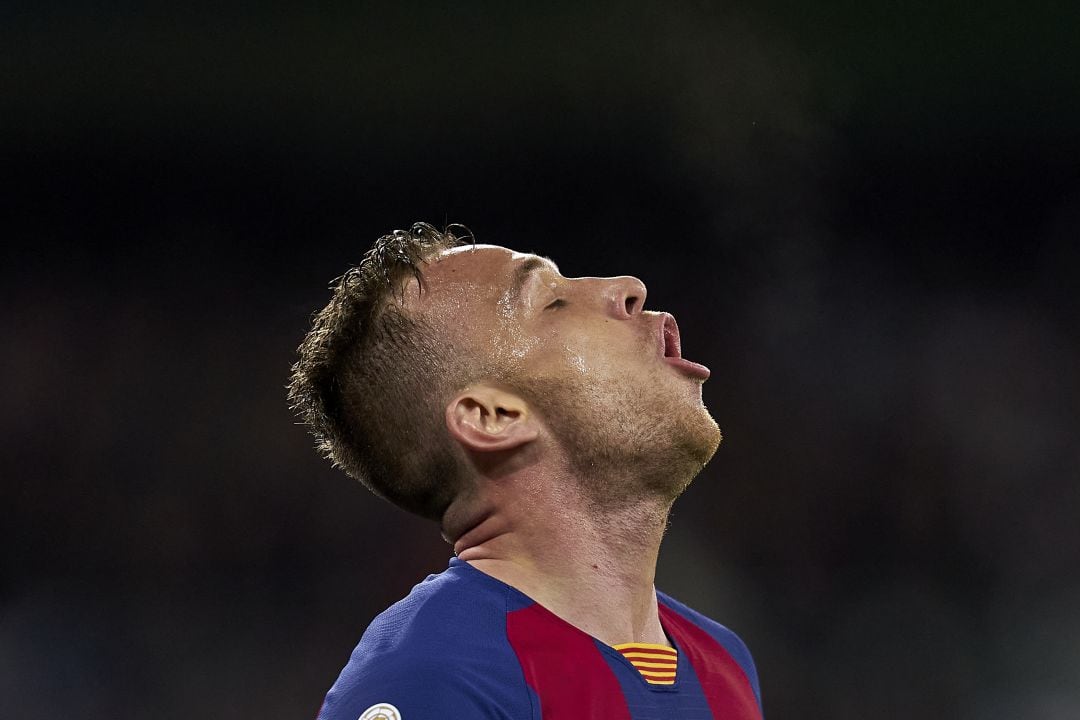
{"x":624,"y":296}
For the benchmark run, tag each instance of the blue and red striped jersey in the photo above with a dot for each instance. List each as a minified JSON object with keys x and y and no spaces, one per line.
{"x":463,"y":646}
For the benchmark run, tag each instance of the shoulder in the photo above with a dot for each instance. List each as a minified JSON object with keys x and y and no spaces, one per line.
{"x":731,"y":642}
{"x":444,"y":645}
{"x":416,"y":689}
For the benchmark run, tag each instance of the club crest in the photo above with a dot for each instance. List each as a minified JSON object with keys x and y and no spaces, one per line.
{"x":381,"y":711}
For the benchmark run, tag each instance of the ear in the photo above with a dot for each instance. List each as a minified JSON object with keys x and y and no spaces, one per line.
{"x":485,"y":419}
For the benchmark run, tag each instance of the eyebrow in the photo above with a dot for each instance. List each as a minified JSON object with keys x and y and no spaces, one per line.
{"x":524,"y":269}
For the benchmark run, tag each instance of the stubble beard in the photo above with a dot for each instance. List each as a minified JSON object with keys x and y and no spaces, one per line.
{"x":627,"y":443}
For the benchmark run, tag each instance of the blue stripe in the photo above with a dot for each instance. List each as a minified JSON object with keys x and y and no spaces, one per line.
{"x":684,"y":700}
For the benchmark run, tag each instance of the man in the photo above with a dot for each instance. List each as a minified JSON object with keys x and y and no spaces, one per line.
{"x":548,"y":423}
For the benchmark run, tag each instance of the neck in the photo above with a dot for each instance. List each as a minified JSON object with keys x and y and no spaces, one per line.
{"x":593,"y":568}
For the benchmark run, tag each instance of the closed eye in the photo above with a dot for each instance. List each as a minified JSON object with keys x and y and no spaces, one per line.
{"x":556,"y":303}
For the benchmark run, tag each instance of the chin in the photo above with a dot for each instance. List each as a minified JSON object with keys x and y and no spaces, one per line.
{"x":693,"y":445}
{"x":706,"y":455}
{"x":704,"y":435}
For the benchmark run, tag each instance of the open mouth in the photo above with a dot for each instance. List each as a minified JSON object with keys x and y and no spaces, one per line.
{"x":672,"y":343}
{"x":671,"y":347}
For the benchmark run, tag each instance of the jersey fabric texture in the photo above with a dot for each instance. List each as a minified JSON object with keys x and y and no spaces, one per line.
{"x":465,"y":646}
{"x":656,"y":663}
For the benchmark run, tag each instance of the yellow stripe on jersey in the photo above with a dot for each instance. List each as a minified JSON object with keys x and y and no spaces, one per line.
{"x":646,"y":646}
{"x":642,"y":665}
{"x":648,"y":655}
{"x":656,"y":663}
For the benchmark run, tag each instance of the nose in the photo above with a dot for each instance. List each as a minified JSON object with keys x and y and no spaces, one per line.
{"x":625,"y":295}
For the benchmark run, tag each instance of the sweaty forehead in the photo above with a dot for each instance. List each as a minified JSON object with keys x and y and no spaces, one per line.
{"x":474,"y":262}
{"x":477,"y":271}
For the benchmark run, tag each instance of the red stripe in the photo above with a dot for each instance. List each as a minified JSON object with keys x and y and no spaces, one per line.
{"x":727,"y":689}
{"x":564,"y":667}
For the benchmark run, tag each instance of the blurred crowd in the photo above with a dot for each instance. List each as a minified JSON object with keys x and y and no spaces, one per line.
{"x":865,"y":224}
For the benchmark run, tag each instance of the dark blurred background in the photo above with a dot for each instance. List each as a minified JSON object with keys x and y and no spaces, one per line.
{"x":864,"y":215}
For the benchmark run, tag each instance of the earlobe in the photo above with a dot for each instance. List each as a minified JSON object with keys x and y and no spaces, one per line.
{"x":485,"y":419}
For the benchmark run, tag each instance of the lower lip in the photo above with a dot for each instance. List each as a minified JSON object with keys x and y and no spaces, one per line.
{"x":690,"y":368}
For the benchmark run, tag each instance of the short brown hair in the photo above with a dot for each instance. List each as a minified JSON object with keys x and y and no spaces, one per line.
{"x":371,"y":381}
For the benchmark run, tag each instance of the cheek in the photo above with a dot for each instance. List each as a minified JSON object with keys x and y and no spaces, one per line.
{"x":581,"y":353}
{"x":502,"y":342}
{"x":511,"y":343}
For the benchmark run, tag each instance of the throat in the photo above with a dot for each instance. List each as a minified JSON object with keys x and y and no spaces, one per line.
{"x":593,"y":568}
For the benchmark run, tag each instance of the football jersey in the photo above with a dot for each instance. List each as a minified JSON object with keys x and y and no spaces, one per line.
{"x":465,"y":646}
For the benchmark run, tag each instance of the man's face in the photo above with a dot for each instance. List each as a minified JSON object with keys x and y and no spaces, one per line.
{"x":603,"y":374}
